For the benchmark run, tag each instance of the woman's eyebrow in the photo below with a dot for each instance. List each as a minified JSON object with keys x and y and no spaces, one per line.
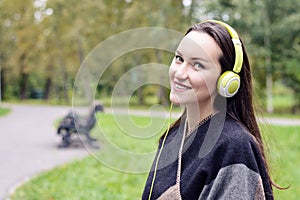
{"x":193,"y":58}
{"x":198,"y":58}
{"x":178,"y":52}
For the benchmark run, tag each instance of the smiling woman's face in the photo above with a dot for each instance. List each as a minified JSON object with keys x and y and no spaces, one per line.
{"x":195,"y":70}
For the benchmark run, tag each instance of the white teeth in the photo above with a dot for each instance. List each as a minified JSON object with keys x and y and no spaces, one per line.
{"x":182,"y":87}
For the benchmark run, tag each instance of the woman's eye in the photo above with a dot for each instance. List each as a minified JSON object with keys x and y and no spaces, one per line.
{"x":179,"y":59}
{"x":198,"y":66}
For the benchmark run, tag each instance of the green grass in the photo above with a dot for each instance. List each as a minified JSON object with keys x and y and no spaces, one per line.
{"x":103,"y":175}
{"x":85,"y":179}
{"x":283,"y":101}
{"x":283,"y":98}
{"x":284,"y":154}
{"x":282,"y":115}
{"x":4,"y":111}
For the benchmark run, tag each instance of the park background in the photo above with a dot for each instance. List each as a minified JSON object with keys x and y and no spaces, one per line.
{"x":43,"y":43}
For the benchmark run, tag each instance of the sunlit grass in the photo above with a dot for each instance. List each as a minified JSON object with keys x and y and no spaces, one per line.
{"x":4,"y":111}
{"x":284,"y":156}
{"x":102,"y":175}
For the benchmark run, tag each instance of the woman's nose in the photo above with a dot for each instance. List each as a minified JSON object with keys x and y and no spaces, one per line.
{"x":181,"y":72}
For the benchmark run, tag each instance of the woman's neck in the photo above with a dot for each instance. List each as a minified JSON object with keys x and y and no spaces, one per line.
{"x":195,"y":114}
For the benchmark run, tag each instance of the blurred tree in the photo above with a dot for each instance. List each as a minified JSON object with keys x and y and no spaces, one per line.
{"x":18,"y":50}
{"x":5,"y":47}
{"x":271,"y":30}
{"x":165,"y":14}
{"x":43,"y":43}
{"x":60,"y":45}
{"x":72,"y":30}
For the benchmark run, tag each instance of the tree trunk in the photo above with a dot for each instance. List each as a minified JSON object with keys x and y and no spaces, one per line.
{"x":141,"y":98}
{"x":64,"y":76}
{"x":65,"y":86}
{"x":47,"y":88}
{"x":296,"y":106}
{"x":87,"y":78}
{"x":268,"y":61}
{"x":2,"y":83}
{"x":269,"y":86}
{"x":23,"y":83}
{"x":49,"y":81}
{"x":163,"y":92}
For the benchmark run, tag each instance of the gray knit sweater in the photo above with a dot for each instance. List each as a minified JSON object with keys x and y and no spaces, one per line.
{"x":219,"y":160}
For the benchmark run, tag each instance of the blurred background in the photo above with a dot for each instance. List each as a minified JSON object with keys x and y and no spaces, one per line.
{"x":43,"y":43}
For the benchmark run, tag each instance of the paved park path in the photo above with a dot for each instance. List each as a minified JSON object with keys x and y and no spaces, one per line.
{"x":28,"y":143}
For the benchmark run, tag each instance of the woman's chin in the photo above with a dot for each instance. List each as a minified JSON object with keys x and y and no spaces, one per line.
{"x":174,"y":99}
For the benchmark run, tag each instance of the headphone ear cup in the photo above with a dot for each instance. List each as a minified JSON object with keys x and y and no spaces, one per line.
{"x":228,"y":84}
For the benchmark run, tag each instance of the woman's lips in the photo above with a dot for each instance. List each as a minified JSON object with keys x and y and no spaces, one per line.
{"x":181,"y":87}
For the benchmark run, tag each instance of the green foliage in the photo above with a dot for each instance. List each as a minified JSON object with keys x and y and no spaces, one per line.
{"x":270,"y":29}
{"x":43,"y":45}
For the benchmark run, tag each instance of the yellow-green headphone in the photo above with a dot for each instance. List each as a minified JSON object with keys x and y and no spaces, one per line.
{"x":229,"y":82}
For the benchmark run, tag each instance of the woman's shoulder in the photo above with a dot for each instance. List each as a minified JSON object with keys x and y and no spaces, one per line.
{"x":235,"y":133}
{"x":237,"y":146}
{"x":235,"y":143}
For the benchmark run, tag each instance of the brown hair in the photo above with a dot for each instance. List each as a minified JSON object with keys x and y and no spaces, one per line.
{"x":240,"y":107}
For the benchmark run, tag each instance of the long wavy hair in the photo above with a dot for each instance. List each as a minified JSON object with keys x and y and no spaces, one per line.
{"x":239,"y":107}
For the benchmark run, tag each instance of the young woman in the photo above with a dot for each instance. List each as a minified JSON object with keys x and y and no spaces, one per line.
{"x":214,"y":150}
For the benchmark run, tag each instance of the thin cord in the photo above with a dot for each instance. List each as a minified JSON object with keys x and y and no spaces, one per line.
{"x":162,"y":145}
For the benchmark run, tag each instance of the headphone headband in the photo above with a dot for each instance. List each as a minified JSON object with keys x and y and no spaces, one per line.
{"x":237,"y":46}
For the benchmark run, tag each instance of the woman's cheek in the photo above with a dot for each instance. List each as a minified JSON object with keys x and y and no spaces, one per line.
{"x":171,"y":74}
{"x":171,"y":68}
